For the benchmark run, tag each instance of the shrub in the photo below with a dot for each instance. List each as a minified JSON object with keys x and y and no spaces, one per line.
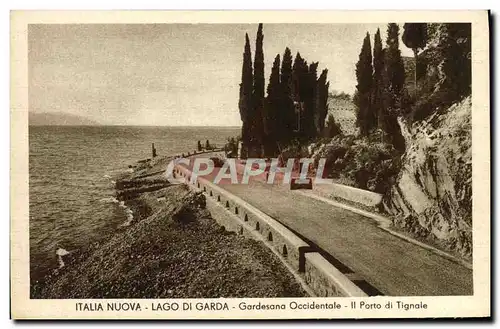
{"x":218,"y":162}
{"x":361,"y":163}
{"x":231,"y":147}
{"x":294,"y":150}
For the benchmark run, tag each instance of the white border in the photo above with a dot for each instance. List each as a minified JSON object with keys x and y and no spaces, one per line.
{"x":387,"y":17}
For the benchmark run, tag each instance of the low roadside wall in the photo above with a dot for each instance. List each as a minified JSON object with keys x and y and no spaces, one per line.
{"x":239,"y":216}
{"x":327,"y":280}
{"x":363,"y":197}
{"x":196,"y":152}
{"x":332,"y":190}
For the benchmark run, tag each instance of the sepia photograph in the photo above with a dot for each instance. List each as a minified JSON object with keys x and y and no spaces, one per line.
{"x":252,"y":169}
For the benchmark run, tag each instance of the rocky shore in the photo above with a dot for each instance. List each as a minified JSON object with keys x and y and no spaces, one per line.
{"x":171,"y":248}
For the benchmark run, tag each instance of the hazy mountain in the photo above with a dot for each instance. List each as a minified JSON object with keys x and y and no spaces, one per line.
{"x":59,"y":119}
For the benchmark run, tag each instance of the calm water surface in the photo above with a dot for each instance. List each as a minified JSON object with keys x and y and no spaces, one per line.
{"x":71,"y":173}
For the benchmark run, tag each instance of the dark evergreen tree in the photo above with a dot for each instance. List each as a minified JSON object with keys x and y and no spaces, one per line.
{"x":394,"y":67}
{"x":308,"y":117}
{"x":378,"y":82}
{"x":451,"y":53}
{"x":415,"y":37}
{"x":287,"y":109}
{"x":271,"y":108}
{"x":394,"y":78}
{"x":231,"y":147}
{"x":364,"y":75}
{"x":299,"y":76}
{"x":300,"y":73}
{"x":258,"y":95}
{"x":296,"y":104}
{"x":455,"y":50}
{"x":321,"y":101}
{"x":246,"y":88}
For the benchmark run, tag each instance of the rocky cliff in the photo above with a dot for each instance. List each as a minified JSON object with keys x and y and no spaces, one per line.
{"x":432,"y":196}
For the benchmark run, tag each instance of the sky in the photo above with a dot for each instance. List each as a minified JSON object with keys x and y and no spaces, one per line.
{"x":173,"y":74}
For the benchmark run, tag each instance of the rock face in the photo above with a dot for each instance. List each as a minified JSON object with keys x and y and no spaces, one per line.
{"x":432,"y":197}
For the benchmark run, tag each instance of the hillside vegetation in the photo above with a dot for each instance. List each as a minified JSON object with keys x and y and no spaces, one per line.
{"x":405,"y":132}
{"x":412,"y":144}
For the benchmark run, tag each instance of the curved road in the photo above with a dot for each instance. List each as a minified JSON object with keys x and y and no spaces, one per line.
{"x":392,"y":265}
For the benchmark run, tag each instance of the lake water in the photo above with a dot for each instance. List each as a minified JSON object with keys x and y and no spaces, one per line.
{"x":71,"y":172}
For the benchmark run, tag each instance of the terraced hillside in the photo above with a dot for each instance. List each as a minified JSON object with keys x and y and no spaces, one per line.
{"x":344,"y":112}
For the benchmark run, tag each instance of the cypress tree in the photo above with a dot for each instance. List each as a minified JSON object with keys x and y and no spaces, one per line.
{"x":300,"y":73}
{"x":455,"y":50}
{"x":310,"y":101}
{"x":394,"y":66}
{"x":246,"y":87}
{"x":378,"y":82}
{"x":271,"y":109}
{"x":321,"y":101}
{"x":287,"y":110}
{"x":258,"y":94}
{"x":362,"y":99}
{"x":394,"y":78}
{"x":451,"y":54}
{"x":299,"y":77}
{"x":415,"y":37}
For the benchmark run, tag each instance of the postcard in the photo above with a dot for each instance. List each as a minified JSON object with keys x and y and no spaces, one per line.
{"x":250,"y":164}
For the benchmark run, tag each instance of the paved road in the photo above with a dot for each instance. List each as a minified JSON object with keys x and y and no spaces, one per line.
{"x":390,"y":264}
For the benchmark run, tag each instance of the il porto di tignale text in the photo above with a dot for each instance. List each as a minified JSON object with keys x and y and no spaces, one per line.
{"x":160,"y":306}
